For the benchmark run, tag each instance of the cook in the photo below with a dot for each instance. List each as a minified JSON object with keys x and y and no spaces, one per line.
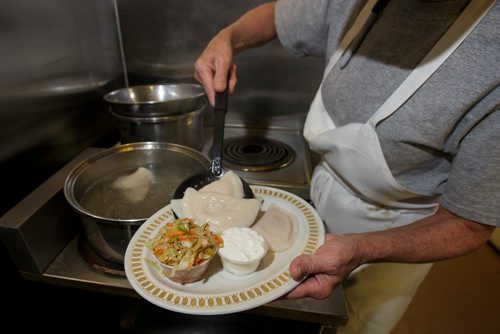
{"x":406,"y":120}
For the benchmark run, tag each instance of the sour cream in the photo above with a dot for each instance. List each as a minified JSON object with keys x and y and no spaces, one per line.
{"x":243,"y":250}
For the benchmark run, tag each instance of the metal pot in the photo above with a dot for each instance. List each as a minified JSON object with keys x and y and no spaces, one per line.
{"x":168,"y":113}
{"x":184,"y":129}
{"x":116,"y":190}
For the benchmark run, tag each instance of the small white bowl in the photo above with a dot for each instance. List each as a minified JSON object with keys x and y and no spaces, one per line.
{"x":193,"y":274}
{"x":243,"y":250}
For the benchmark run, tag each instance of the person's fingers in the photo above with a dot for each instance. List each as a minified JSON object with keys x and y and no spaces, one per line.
{"x":333,"y":257}
{"x":320,"y":273}
{"x":233,"y":78}
{"x":305,"y":265}
{"x":222,"y":68}
{"x":296,"y":267}
{"x":205,"y":76}
{"x":317,"y":286}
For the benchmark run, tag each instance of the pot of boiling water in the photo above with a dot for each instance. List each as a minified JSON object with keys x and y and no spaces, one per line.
{"x":116,"y":190}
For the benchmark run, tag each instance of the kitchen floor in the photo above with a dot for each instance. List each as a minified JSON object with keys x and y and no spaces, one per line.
{"x":458,"y":296}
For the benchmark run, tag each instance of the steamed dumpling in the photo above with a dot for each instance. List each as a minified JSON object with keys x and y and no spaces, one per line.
{"x":220,"y":211}
{"x":229,"y":184}
{"x":220,"y":204}
{"x":279,"y":228}
{"x":134,"y":186}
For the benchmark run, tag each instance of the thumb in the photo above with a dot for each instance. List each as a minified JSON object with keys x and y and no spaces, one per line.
{"x":305,"y":265}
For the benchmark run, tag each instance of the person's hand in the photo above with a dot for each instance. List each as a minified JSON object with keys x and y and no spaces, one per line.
{"x":214,"y":64}
{"x":326,"y":268}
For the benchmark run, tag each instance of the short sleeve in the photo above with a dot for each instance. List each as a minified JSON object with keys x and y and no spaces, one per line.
{"x":473,"y":187}
{"x":301,"y":26}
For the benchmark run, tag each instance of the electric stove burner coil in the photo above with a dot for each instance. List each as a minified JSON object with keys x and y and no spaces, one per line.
{"x":255,"y":154}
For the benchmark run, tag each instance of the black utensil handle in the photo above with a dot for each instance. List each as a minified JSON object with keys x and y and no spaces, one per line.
{"x":220,"y":109}
{"x":218,"y":140}
{"x":222,"y":98}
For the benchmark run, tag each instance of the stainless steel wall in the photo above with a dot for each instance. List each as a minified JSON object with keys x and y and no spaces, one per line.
{"x":57,"y":58}
{"x":163,"y":38}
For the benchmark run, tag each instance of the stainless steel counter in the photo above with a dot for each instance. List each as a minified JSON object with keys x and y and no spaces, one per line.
{"x":41,"y":235}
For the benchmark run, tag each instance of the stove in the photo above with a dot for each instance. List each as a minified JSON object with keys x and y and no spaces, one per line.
{"x":275,"y":157}
{"x":65,"y":258}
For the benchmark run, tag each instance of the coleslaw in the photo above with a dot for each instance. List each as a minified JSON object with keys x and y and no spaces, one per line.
{"x":181,"y":244}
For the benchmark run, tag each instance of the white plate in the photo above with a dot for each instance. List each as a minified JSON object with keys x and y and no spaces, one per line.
{"x":221,"y":292}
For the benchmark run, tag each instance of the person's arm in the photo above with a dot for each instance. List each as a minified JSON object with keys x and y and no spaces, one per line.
{"x":253,"y":29}
{"x":438,"y":237}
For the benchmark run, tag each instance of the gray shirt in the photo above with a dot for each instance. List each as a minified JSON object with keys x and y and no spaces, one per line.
{"x":445,"y":140}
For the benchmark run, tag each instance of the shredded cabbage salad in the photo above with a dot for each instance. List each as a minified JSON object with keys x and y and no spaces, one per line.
{"x":182,"y":244}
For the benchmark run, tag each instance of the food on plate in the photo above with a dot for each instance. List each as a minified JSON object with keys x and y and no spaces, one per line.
{"x":229,"y":184}
{"x":184,"y":249}
{"x":220,"y":204}
{"x":279,"y":228}
{"x":220,"y":211}
{"x":134,"y":186}
{"x":246,"y":238}
{"x":243,"y":250}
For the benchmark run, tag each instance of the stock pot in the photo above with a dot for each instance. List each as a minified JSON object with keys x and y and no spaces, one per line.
{"x":116,"y":190}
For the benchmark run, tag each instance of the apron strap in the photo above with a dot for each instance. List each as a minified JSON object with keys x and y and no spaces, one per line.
{"x":318,"y":120}
{"x":455,"y":35}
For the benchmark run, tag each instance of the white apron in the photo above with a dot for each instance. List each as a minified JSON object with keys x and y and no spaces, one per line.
{"x":353,"y":189}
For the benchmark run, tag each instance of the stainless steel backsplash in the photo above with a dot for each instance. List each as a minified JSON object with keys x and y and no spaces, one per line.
{"x":57,"y":59}
{"x":60,"y":56}
{"x":162,"y":40}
